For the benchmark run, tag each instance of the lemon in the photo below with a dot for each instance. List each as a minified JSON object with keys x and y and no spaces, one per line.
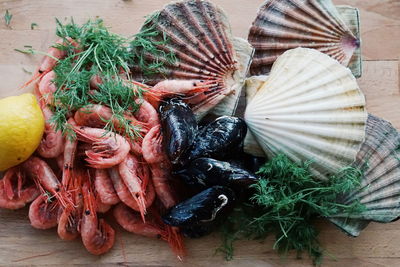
{"x":21,"y":128}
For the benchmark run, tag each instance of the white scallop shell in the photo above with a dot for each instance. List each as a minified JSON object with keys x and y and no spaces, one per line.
{"x":199,"y":36}
{"x":252,"y":85}
{"x":286,"y":24}
{"x":310,"y":108}
{"x":379,"y":158}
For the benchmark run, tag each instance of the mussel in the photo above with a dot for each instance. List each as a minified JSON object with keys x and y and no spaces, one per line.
{"x":179,"y":126}
{"x":206,"y":172}
{"x":203,"y":208}
{"x":197,"y":230}
{"x":219,"y":138}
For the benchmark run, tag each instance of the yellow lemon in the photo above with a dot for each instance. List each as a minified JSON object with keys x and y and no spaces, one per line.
{"x":21,"y":128}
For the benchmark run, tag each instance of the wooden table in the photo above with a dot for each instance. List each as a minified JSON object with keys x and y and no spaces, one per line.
{"x":22,"y":245}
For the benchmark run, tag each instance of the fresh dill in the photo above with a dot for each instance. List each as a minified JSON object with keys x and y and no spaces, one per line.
{"x":95,"y":51}
{"x":7,"y":17}
{"x":285,"y":201}
{"x":33,"y":25}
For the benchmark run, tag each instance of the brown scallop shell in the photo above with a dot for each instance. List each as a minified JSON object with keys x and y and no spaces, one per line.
{"x":286,"y":24}
{"x":379,"y":159}
{"x":196,"y":38}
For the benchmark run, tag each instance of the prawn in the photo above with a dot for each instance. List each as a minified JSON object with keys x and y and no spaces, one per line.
{"x":52,"y":143}
{"x":107,"y":149}
{"x":101,"y":207}
{"x":68,"y":221}
{"x":47,"y":87}
{"x":131,"y":221}
{"x":43,"y":213}
{"x":104,"y":188}
{"x":160,"y":167}
{"x":97,"y":235}
{"x":135,"y":176}
{"x":60,"y":161}
{"x":153,"y":227}
{"x":46,"y":180}
{"x":169,"y":88}
{"x":53,"y":55}
{"x":147,"y":113}
{"x":95,"y":81}
{"x":136,"y":146}
{"x":98,"y":116}
{"x":124,"y":194}
{"x":68,"y":157}
{"x":16,"y":196}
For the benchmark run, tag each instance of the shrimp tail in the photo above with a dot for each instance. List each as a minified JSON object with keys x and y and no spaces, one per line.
{"x":95,"y":159}
{"x":141,"y":201}
{"x":175,"y":241}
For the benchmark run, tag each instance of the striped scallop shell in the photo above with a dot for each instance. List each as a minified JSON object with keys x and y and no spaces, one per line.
{"x":309,"y":108}
{"x":379,"y":158}
{"x":286,"y":24}
{"x":198,"y":35}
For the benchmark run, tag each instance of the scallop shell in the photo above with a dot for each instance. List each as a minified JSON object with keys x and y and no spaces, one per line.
{"x":285,"y":24}
{"x":198,"y":35}
{"x":250,"y":144}
{"x":379,"y":158}
{"x":351,"y":17}
{"x":310,"y":108}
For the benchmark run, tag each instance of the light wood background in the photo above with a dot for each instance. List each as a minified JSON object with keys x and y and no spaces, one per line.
{"x":21,"y":245}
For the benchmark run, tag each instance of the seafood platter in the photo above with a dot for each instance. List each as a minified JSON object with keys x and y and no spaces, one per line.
{"x":184,"y":130}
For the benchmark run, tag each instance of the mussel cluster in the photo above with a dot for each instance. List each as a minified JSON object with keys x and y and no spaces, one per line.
{"x":209,"y":160}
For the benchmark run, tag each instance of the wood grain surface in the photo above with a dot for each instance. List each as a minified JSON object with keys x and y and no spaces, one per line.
{"x":21,"y":245}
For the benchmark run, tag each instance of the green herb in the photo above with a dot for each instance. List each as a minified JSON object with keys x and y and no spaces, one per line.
{"x":31,"y":51}
{"x":33,"y":25}
{"x":100,"y":53}
{"x":285,"y":201}
{"x":8,"y":17}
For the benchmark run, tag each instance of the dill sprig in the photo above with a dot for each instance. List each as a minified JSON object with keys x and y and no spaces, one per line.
{"x":285,"y":201}
{"x":7,"y":17}
{"x":101,"y":53}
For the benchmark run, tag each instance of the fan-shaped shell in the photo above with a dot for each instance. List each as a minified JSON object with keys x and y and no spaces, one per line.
{"x":309,"y":108}
{"x":196,"y":38}
{"x":286,"y":24}
{"x":379,"y":158}
{"x":252,"y":85}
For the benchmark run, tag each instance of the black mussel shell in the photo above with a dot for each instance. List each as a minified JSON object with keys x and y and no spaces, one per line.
{"x":202,"y":208}
{"x":179,"y":126}
{"x":219,"y":138}
{"x":206,"y":172}
{"x":197,"y":230}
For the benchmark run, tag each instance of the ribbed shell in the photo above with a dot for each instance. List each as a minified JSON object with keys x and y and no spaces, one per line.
{"x":379,"y":158}
{"x":286,"y":24}
{"x":250,"y":144}
{"x":198,"y":34}
{"x":309,"y":108}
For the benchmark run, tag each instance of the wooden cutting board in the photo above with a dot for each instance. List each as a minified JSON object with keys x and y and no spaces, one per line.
{"x":21,"y":245}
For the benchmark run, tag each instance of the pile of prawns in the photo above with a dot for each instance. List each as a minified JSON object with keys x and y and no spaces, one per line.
{"x":70,"y":181}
